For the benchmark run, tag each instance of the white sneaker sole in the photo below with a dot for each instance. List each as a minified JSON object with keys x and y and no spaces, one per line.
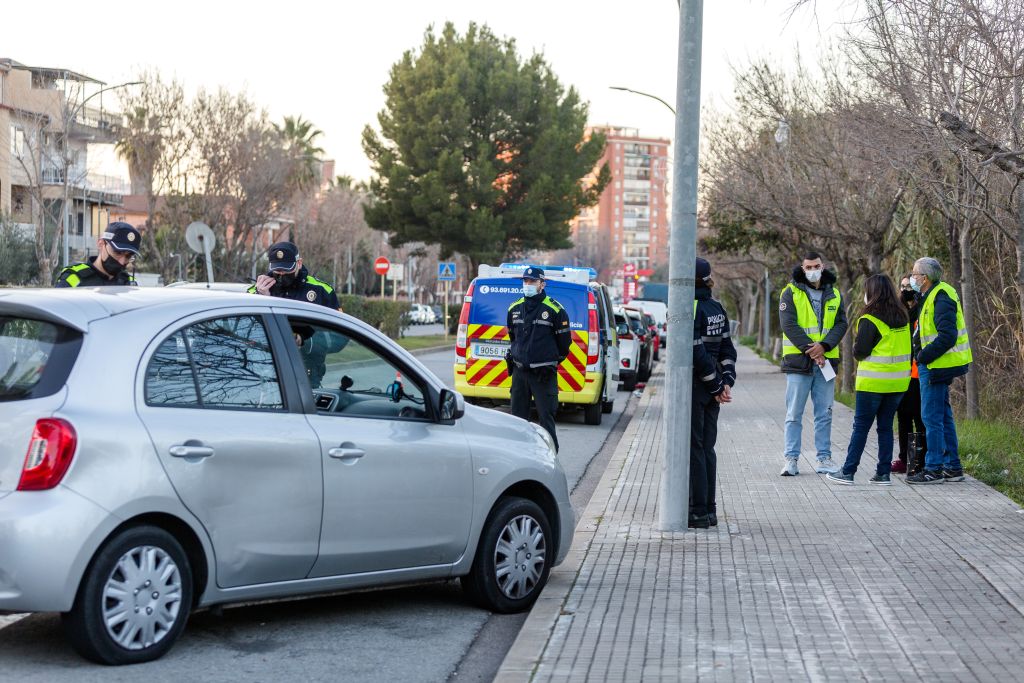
{"x":835,"y":480}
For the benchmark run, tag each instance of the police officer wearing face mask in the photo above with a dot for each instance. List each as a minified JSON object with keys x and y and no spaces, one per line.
{"x":289,"y":279}
{"x":118,"y":246}
{"x":539,"y":329}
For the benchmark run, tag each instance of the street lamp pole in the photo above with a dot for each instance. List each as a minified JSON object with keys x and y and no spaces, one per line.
{"x":69,"y":120}
{"x":674,"y":501}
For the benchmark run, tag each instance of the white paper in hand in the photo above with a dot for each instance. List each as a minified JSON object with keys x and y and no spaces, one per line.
{"x":827,"y":372}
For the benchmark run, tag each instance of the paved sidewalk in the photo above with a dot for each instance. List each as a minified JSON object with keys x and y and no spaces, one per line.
{"x":801,"y":580}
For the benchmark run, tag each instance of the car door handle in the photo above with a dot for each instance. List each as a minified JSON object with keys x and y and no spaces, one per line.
{"x":190,"y":451}
{"x":346,"y":452}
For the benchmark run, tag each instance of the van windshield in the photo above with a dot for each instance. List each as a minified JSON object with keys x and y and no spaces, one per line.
{"x":493,"y":296}
{"x":28,"y":357}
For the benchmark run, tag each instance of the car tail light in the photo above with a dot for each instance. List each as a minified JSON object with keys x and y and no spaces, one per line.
{"x":625,"y":362}
{"x":460,"y":339}
{"x":592,"y":333}
{"x":49,"y":454}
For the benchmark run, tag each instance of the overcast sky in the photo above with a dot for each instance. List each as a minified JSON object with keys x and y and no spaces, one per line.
{"x":328,"y":62}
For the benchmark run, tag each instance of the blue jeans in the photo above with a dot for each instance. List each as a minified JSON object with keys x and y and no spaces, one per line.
{"x":822,"y":394}
{"x":870,"y":405}
{"x":939,"y":427}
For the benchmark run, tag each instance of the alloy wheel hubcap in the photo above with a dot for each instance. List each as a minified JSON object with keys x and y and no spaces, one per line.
{"x":142,"y":598}
{"x":519,"y":557}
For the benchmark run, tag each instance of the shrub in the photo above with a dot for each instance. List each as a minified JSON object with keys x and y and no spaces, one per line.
{"x":383,"y":314}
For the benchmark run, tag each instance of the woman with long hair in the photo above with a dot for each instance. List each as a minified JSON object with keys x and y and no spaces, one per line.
{"x":882,"y":347}
{"x":908,"y":415}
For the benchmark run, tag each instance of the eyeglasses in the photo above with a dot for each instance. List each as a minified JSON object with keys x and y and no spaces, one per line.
{"x":919,"y":275}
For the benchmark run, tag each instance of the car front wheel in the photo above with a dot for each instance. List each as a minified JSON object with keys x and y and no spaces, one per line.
{"x":134,"y":599}
{"x":513,"y":559}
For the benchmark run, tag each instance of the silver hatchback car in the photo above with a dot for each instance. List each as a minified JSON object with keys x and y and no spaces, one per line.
{"x":171,"y":449}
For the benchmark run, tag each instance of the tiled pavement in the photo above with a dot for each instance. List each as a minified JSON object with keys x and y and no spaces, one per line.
{"x":801,"y":580}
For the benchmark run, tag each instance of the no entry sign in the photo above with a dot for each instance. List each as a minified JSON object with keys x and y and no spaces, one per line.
{"x":381,"y":265}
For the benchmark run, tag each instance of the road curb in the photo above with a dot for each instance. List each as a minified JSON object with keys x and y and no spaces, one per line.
{"x":526,"y":652}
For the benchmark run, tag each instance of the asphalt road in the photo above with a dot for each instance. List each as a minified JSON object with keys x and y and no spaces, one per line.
{"x":424,"y":633}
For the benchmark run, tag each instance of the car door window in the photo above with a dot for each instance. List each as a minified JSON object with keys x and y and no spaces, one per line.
{"x":221,"y":363}
{"x":349,"y":377}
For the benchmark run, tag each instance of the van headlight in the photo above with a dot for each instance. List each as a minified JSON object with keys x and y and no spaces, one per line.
{"x":544,"y":435}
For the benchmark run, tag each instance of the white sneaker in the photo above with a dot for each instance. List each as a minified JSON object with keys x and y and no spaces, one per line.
{"x":790,"y":469}
{"x":826,"y":466}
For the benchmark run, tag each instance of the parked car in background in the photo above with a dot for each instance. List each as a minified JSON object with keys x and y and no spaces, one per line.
{"x":658,"y":309}
{"x":629,"y":350}
{"x":421,"y":314}
{"x":439,"y":313}
{"x":246,"y":448}
{"x":652,"y":328}
{"x":644,"y":336}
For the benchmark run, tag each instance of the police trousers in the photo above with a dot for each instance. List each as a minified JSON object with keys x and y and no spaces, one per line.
{"x":704,"y":411}
{"x":542,"y":384}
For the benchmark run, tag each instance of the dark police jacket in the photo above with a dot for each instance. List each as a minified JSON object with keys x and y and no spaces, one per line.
{"x":84,"y":275}
{"x":306,"y":288}
{"x":714,"y":356}
{"x":539,"y":329}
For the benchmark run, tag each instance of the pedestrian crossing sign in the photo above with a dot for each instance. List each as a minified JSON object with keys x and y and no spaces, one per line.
{"x":446,"y":271}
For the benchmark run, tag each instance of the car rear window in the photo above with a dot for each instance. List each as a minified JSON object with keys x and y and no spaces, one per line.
{"x":35,"y":357}
{"x":493,"y":296}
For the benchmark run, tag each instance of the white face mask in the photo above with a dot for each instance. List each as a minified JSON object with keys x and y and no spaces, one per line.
{"x":813,"y":275}
{"x":530,"y":290}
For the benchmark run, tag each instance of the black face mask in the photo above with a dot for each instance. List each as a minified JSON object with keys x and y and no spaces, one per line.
{"x":909,"y":296}
{"x":286,"y":281}
{"x":112,"y":266}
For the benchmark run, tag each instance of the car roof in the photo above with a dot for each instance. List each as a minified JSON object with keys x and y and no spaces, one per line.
{"x":79,"y":306}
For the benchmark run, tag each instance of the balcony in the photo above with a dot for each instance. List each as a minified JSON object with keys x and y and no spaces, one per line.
{"x":96,"y":124}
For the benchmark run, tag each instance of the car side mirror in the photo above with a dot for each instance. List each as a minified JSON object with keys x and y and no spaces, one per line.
{"x":452,"y":405}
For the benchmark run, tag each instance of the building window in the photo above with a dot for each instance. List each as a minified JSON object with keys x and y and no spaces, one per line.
{"x":17,"y":142}
{"x":616,"y":225}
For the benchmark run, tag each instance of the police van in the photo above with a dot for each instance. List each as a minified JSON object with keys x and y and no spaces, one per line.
{"x":589,"y":375}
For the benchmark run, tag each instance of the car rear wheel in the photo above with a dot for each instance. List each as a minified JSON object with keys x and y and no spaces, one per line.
{"x":134,"y":599}
{"x":607,"y":406}
{"x":592,"y":413}
{"x":513,"y":559}
{"x":629,"y":384}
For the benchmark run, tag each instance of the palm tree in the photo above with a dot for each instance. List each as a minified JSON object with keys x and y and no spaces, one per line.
{"x":139,"y":145}
{"x":299,"y":138}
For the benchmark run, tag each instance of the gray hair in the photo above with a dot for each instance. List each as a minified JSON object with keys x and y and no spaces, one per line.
{"x":929,"y":267}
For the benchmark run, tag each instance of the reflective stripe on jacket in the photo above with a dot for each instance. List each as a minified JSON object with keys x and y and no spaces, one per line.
{"x":887,"y":369}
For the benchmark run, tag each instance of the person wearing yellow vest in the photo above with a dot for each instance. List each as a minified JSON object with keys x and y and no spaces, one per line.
{"x":813,"y":323}
{"x":945,"y":355}
{"x":882,"y":346}
{"x":117,"y":248}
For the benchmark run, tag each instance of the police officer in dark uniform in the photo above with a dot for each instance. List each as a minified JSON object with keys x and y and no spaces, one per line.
{"x":118,"y":246}
{"x":539,"y":329}
{"x":714,"y":374}
{"x":289,"y":279}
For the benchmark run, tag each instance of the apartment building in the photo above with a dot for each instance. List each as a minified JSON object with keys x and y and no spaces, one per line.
{"x":631,"y":221}
{"x":49,"y":117}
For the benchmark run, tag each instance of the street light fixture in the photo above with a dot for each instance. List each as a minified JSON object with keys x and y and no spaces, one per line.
{"x":69,"y":119}
{"x":644,"y":94}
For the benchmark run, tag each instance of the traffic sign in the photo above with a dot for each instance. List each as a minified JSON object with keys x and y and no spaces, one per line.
{"x":381,"y":265}
{"x":396,"y":272}
{"x":446,"y":271}
{"x":629,"y":268}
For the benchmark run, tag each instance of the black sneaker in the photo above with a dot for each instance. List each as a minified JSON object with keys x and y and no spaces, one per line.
{"x":840,"y":478}
{"x":880,"y":480}
{"x":926,"y":477}
{"x":699,"y":522}
{"x":953,"y":475}
{"x":713,"y":518}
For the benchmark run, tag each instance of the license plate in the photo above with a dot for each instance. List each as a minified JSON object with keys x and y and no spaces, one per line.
{"x":489,"y":350}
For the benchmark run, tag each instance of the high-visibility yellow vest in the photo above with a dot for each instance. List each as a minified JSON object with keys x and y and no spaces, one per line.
{"x":960,"y":353}
{"x":806,"y":319}
{"x":887,"y":369}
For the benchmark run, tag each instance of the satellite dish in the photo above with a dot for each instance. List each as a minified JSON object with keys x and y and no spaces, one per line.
{"x":200,"y":237}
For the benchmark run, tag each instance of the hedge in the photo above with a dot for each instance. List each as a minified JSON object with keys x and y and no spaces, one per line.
{"x":384,"y":314}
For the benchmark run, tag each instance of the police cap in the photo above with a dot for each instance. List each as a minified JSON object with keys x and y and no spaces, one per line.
{"x":283,"y":256}
{"x":123,"y":237}
{"x":533,"y":273}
